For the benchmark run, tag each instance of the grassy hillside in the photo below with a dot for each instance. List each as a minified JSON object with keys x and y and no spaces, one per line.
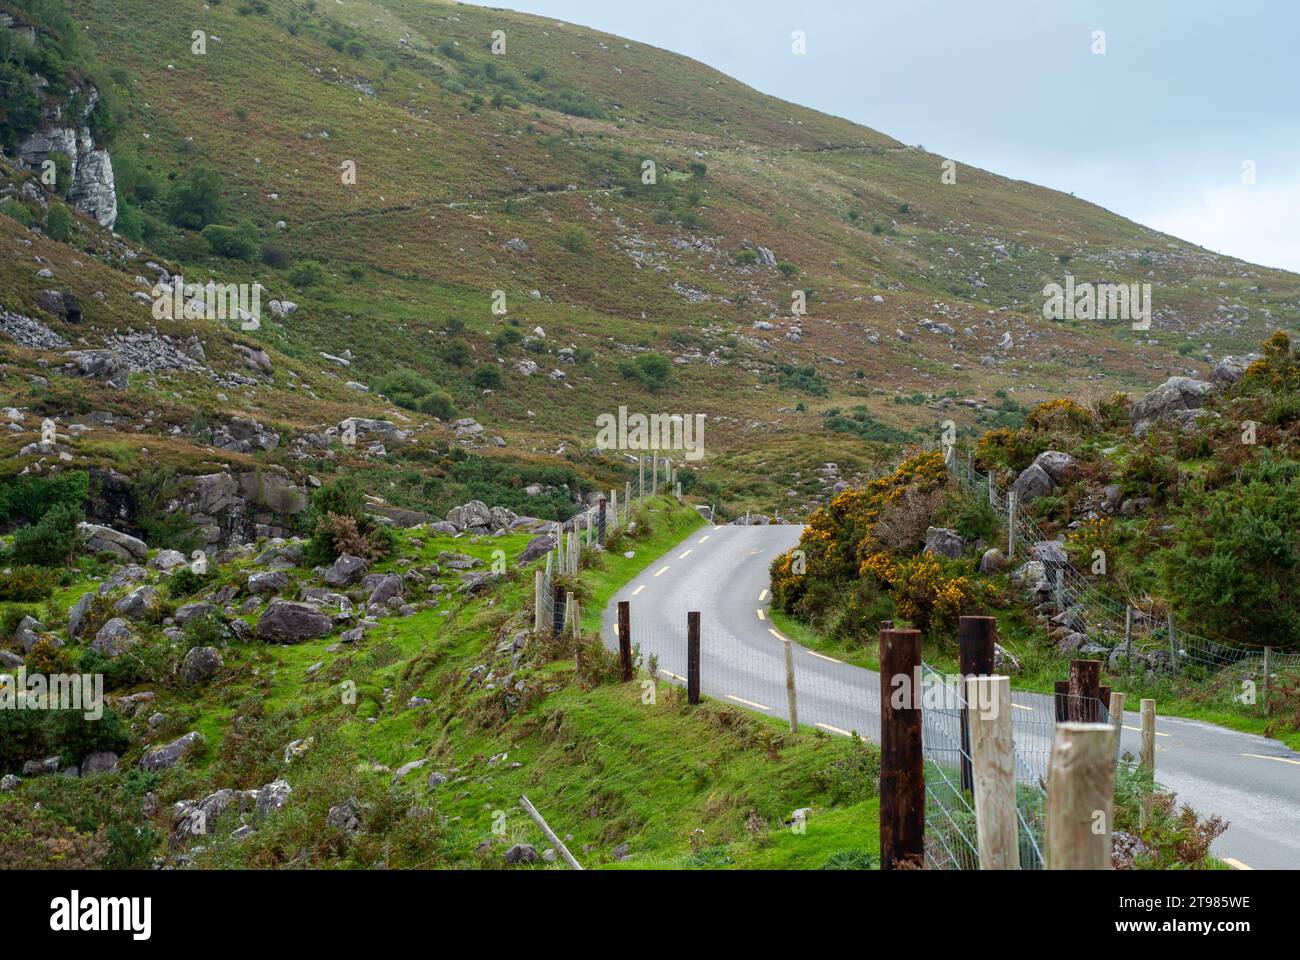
{"x":616,"y":767}
{"x":457,"y":151}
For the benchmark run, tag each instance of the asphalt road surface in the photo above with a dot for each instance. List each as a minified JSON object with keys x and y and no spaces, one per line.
{"x":1250,"y":781}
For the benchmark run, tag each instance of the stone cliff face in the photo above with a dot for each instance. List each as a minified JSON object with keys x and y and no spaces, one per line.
{"x":65,"y":128}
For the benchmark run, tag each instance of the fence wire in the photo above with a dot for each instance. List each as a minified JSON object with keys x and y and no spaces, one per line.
{"x":1132,"y":638}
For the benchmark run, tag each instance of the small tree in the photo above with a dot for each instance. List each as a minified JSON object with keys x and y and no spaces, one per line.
{"x":195,"y":201}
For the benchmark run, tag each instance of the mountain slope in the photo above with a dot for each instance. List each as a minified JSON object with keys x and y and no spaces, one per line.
{"x":458,"y":151}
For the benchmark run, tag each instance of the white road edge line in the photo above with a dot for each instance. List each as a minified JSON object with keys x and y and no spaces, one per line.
{"x":762,"y":596}
{"x":661,"y":570}
{"x":1159,"y":734}
{"x":822,"y":656}
{"x":686,"y":554}
{"x":702,"y":539}
{"x":638,"y":590}
{"x":827,"y":726}
{"x":1021,"y":706}
{"x":1260,"y":756}
{"x":760,"y":614}
{"x":748,"y":703}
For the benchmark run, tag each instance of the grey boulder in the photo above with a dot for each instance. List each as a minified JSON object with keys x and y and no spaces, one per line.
{"x":1175,"y":394}
{"x":287,"y":621}
{"x":168,"y":755}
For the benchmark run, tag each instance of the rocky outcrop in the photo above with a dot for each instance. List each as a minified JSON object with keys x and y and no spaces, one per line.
{"x":1168,"y":401}
{"x":231,"y":509}
{"x":105,"y":366}
{"x":65,"y":128}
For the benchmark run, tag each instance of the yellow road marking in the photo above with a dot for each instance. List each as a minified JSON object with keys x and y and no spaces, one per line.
{"x":703,"y":538}
{"x":1158,"y":733}
{"x":777,"y":635}
{"x":669,"y":673}
{"x":814,"y":653}
{"x":1235,"y":864}
{"x":638,"y":590}
{"x":661,"y":570}
{"x":827,"y":726}
{"x":762,"y":596}
{"x":748,"y":703}
{"x":686,"y":554}
{"x":760,"y":615}
{"x":1260,"y":756}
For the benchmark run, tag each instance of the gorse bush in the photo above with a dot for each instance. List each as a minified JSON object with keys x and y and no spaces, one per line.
{"x":195,"y":200}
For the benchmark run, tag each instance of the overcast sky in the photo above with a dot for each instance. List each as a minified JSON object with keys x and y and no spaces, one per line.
{"x":1156,"y":129}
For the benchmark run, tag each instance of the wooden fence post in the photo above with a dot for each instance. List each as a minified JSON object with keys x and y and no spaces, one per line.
{"x":902,"y":763}
{"x":994,"y":769}
{"x":625,"y":639}
{"x":693,"y":656}
{"x":1268,"y":681}
{"x":1085,"y":678}
{"x":1116,"y":709}
{"x":1174,"y":659}
{"x":789,"y":687}
{"x":1061,"y":700}
{"x":549,"y":833}
{"x":627,"y":502}
{"x":1011,"y":524}
{"x":1080,"y":797}
{"x":1147,"y":758}
{"x":600,"y":521}
{"x":975,"y":638}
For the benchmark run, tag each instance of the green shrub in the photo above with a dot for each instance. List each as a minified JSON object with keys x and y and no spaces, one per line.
{"x":195,"y":200}
{"x":51,"y":541}
{"x":186,"y":583}
{"x":574,"y":239}
{"x":306,"y":274}
{"x":26,"y":499}
{"x":58,"y":223}
{"x":487,"y":377}
{"x":650,"y":369}
{"x":25,"y":584}
{"x":410,"y":390}
{"x":234,"y":243}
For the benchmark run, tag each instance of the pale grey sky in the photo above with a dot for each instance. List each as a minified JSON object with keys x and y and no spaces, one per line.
{"x":1156,"y":129}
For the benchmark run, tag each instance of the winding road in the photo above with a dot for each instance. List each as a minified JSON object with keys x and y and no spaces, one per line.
{"x":1250,"y":781}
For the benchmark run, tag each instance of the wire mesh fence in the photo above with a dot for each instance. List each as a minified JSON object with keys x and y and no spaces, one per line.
{"x":761,"y":671}
{"x":1135,"y":639}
